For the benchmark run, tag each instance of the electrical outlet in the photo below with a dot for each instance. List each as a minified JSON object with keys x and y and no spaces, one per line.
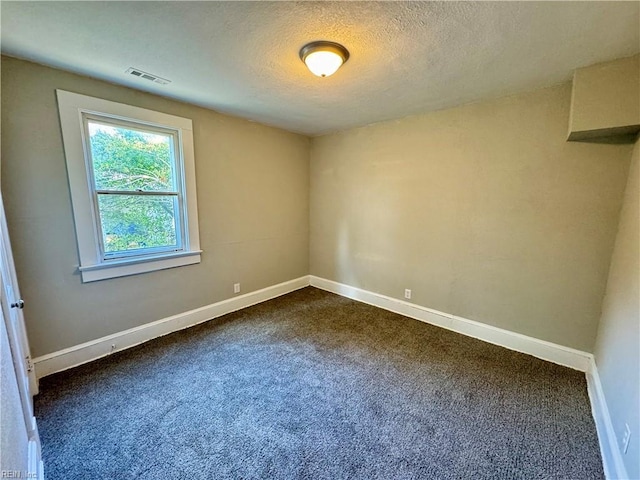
{"x":626,"y":438}
{"x":407,"y":293}
{"x":236,"y":288}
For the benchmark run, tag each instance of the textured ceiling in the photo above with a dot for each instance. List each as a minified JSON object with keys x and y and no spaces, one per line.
{"x":242,"y":57}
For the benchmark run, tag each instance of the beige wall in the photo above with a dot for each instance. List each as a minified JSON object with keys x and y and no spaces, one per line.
{"x":484,"y":211}
{"x":253,"y":184}
{"x":617,"y":350}
{"x":606,"y":99}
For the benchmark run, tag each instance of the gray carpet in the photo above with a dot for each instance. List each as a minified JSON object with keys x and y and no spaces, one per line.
{"x":313,"y":385}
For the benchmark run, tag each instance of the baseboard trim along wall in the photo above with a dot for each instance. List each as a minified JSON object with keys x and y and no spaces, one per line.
{"x":611,"y":455}
{"x":86,"y":352}
{"x":551,"y":352}
{"x":569,"y":357}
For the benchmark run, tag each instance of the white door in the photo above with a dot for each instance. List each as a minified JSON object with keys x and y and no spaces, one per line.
{"x":25,"y":378}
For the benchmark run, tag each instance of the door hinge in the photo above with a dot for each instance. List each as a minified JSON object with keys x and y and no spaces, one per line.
{"x":29,"y":364}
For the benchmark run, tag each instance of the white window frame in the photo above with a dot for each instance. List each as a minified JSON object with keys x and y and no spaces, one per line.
{"x":75,"y":110}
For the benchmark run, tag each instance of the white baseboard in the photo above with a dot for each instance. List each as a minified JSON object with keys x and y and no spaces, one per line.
{"x":551,"y":352}
{"x":569,"y":357}
{"x":86,"y":352}
{"x":611,"y":456}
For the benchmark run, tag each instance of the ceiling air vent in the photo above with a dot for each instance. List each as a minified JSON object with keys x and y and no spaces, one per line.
{"x":148,"y":76}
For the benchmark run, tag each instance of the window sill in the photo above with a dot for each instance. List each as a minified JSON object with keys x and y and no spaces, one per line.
{"x":134,"y":266}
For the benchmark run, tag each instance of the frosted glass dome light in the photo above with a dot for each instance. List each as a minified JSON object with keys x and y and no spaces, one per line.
{"x":323,"y":58}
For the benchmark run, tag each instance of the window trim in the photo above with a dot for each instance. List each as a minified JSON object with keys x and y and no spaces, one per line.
{"x":74,"y":109}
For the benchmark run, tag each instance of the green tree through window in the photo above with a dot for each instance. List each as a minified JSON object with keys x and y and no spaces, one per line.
{"x":135,"y":184}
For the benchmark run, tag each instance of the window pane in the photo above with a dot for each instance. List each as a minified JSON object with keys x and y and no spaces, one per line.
{"x":127,"y":159}
{"x":133,"y":222}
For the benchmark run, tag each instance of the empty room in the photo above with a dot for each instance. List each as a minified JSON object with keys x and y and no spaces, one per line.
{"x":320,"y":240}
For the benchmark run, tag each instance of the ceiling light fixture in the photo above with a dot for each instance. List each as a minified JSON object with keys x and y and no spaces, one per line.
{"x":323,"y":58}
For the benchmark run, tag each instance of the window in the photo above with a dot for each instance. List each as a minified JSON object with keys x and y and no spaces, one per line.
{"x":136,"y":187}
{"x":132,"y":179}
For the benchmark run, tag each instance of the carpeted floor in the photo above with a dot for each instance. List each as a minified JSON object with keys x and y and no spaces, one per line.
{"x":313,"y":385}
